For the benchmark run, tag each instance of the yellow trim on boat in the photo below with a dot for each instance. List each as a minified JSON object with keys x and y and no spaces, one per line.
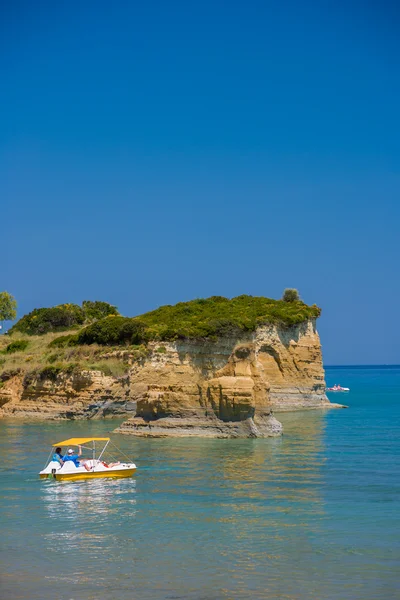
{"x":88,"y":475}
{"x":78,"y":441}
{"x":95,"y":475}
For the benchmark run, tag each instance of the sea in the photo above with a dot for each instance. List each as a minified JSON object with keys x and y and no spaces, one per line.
{"x":311,"y":515}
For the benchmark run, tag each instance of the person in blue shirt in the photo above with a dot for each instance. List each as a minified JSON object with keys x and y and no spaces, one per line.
{"x":57,"y":456}
{"x":70,"y":456}
{"x":74,"y":457}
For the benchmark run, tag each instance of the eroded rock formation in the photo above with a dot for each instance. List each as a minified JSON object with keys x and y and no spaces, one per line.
{"x":227,"y":387}
{"x":80,"y":395}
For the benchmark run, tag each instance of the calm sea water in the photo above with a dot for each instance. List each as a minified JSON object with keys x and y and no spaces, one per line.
{"x":312,"y":515}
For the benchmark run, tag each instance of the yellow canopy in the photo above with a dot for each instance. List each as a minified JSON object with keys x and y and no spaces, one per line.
{"x":79,"y":441}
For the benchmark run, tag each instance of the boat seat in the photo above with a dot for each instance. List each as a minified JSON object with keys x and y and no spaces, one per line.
{"x":69,"y":466}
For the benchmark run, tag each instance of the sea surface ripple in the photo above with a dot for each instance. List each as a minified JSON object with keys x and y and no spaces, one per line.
{"x":311,"y":515}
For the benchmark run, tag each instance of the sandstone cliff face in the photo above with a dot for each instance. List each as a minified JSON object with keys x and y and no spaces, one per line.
{"x":222,"y":388}
{"x":228,"y":387}
{"x":84,"y":394}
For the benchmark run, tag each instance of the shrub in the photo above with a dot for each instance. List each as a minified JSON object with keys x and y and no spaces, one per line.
{"x":17,"y":346}
{"x":63,"y":317}
{"x":98,"y":310}
{"x":291,"y":295}
{"x":64,"y":341}
{"x":53,"y":371}
{"x":137,"y":353}
{"x":29,"y":378}
{"x":71,"y":368}
{"x":113,"y":331}
{"x":115,"y":368}
{"x":6,"y":375}
{"x":52,"y":358}
{"x":44,"y":320}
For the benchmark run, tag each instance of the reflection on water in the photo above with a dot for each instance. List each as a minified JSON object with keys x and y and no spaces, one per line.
{"x":81,"y":513}
{"x":290,"y":518}
{"x":95,"y":500}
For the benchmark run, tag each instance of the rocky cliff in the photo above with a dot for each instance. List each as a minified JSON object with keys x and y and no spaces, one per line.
{"x":79,"y":395}
{"x":225,"y":387}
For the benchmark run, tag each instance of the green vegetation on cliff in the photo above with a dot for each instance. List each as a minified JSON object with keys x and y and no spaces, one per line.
{"x":17,"y":346}
{"x":198,"y":319}
{"x":62,"y":317}
{"x":218,"y":316}
{"x":291,"y":295}
{"x":111,"y":343}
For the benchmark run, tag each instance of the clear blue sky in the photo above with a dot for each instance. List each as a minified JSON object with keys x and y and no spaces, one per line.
{"x":155,"y":152}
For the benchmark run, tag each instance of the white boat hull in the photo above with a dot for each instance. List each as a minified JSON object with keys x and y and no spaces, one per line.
{"x":96,"y":469}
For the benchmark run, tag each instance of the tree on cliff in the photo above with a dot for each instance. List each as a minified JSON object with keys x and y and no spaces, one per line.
{"x":291,"y":295}
{"x":98,"y":310}
{"x":8,"y":307}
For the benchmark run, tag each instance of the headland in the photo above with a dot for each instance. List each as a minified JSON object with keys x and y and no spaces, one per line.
{"x":213,"y":367}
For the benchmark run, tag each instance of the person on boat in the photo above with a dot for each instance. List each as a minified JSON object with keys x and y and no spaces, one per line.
{"x":112,"y":464}
{"x":57,"y":456}
{"x":70,"y":456}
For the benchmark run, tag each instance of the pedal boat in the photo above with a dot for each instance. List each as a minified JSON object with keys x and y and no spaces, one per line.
{"x":96,"y":467}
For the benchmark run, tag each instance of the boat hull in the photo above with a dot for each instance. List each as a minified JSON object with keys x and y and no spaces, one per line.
{"x":115,"y":474}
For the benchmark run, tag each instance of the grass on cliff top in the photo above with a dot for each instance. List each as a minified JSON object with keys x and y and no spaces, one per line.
{"x":198,"y":319}
{"x":218,"y":315}
{"x":38,"y":354}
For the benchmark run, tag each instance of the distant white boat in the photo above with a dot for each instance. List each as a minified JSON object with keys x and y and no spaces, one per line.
{"x":337,"y":388}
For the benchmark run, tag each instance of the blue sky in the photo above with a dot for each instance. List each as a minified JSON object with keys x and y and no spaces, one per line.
{"x":160,"y":151}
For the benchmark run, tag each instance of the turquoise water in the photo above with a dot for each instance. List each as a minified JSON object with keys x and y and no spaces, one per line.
{"x":312,"y":515}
